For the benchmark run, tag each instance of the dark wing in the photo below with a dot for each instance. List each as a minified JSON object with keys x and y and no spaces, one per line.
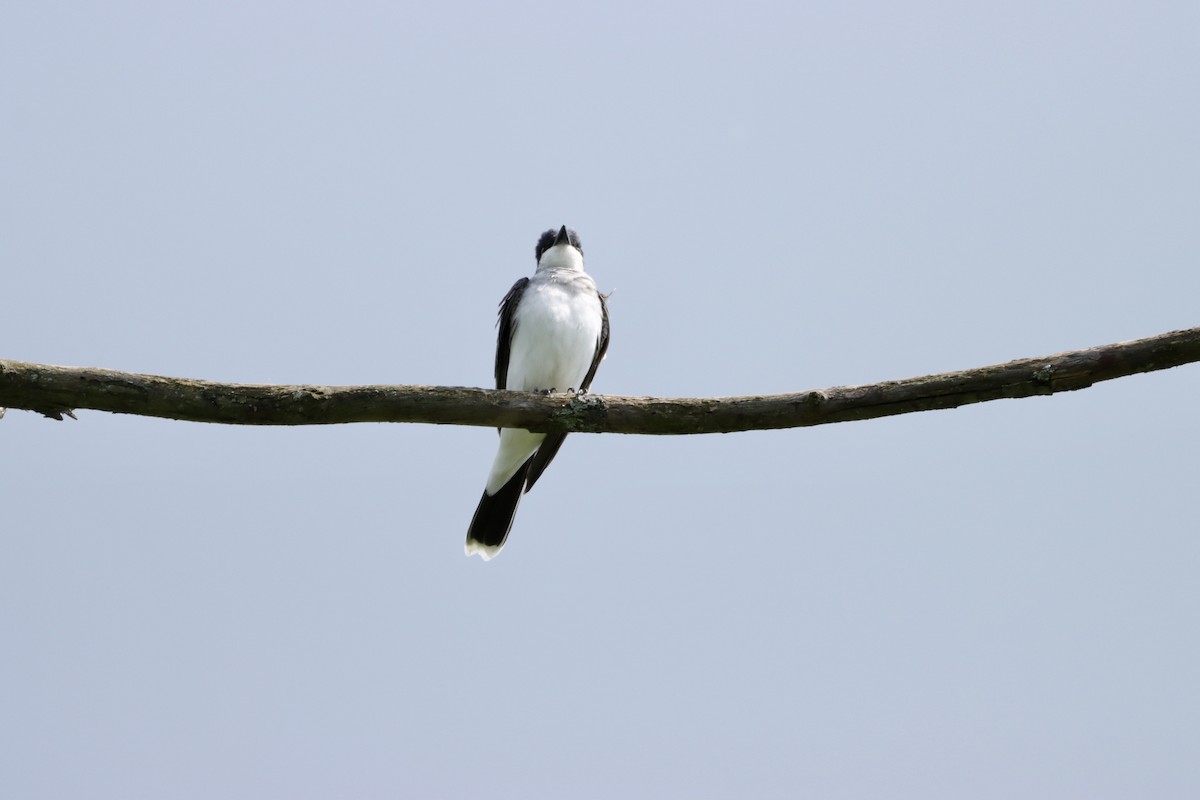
{"x":601,"y":346}
{"x":549,"y":447}
{"x":508,"y":326}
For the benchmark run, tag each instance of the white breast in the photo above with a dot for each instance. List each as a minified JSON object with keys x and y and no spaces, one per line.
{"x":557,"y":329}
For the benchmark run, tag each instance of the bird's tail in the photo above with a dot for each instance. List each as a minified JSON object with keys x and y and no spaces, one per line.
{"x":494,"y":516}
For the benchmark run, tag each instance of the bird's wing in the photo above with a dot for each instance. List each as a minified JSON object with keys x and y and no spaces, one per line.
{"x":508,"y":326}
{"x":601,"y":344}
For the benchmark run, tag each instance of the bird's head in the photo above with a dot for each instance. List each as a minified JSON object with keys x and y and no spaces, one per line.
{"x":559,"y":249}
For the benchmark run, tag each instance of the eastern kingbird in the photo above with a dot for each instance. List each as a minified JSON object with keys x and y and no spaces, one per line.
{"x":553,"y":334}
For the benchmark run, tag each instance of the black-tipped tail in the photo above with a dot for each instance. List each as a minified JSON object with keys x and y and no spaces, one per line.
{"x":494,"y":517}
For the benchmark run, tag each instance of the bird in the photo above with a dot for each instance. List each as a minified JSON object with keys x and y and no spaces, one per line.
{"x":553,"y":334}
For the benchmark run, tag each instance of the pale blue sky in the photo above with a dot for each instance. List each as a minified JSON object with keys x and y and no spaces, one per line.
{"x":999,"y":601}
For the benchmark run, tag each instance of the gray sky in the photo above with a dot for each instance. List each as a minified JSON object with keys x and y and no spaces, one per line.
{"x":998,"y":601}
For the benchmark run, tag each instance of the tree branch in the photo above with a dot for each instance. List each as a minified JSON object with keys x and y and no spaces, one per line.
{"x":56,"y":390}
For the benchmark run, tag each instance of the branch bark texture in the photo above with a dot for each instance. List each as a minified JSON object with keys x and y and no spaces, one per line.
{"x":57,"y":390}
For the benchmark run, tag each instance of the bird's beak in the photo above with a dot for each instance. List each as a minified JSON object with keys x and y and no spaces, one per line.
{"x":563,"y":238}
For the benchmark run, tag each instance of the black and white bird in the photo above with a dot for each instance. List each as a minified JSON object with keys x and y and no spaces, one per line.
{"x":553,"y":334}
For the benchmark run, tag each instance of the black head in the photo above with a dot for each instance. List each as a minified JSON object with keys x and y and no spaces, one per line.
{"x":552,"y":237}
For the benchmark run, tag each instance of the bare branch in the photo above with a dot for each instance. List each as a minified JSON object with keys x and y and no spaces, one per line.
{"x":56,"y":390}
